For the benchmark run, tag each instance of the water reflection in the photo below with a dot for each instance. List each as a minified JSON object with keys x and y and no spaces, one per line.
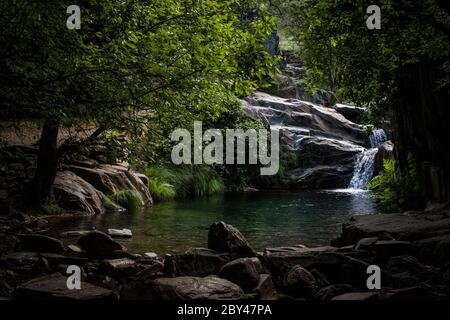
{"x":265,"y":218}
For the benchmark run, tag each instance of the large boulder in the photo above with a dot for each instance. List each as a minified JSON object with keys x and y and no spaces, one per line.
{"x":113,"y":178}
{"x":97,"y":244}
{"x":244,"y":272}
{"x":182,"y":288}
{"x":226,"y":238}
{"x":323,"y":259}
{"x":75,"y":194}
{"x":196,"y":262}
{"x":265,"y":288}
{"x":412,"y":227}
{"x":54,"y":287}
{"x":313,"y":119}
{"x":40,"y":243}
{"x":299,"y":282}
{"x":324,"y":142}
{"x":352,"y":113}
{"x":385,"y":152}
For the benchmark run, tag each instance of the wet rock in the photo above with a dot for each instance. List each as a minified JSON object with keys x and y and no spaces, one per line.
{"x":244,"y":272}
{"x":325,"y":142}
{"x":54,"y":287}
{"x":151,"y":255}
{"x":334,"y":290}
{"x":23,"y":262}
{"x":352,"y":113}
{"x":40,"y":243}
{"x":407,"y":227}
{"x":74,"y":234}
{"x":265,"y":288}
{"x":120,"y":267}
{"x":323,"y":259}
{"x":385,"y":151}
{"x":71,"y":248}
{"x":366,"y":243}
{"x":226,"y":238}
{"x":357,"y":296}
{"x":75,"y":194}
{"x":113,"y":178}
{"x":120,"y":233}
{"x":151,"y":270}
{"x":388,"y":248}
{"x":98,"y":244}
{"x":299,"y":282}
{"x":57,"y":259}
{"x":182,"y":288}
{"x":197,"y":262}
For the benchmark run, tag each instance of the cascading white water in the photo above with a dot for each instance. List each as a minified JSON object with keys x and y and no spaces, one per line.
{"x":364,"y":165}
{"x":377,"y":137}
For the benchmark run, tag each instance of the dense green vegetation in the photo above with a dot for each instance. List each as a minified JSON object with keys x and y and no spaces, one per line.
{"x":398,"y":190}
{"x":401,"y":72}
{"x":169,"y":181}
{"x":137,"y":70}
{"x":135,"y":67}
{"x":128,"y":199}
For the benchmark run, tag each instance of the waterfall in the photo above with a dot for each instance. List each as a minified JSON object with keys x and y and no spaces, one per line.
{"x":364,"y":165}
{"x":363,"y":171}
{"x":377,"y":137}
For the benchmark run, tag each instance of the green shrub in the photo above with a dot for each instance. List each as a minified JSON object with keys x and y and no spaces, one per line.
{"x":167,"y":182}
{"x":397,"y":190}
{"x":160,"y":190}
{"x":109,"y":204}
{"x":129,"y":199}
{"x":50,"y":208}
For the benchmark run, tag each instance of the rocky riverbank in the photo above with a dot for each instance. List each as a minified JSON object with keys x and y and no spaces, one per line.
{"x":411,"y":250}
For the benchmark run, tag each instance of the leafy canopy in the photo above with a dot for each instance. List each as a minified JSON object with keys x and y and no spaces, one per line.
{"x":144,"y":67}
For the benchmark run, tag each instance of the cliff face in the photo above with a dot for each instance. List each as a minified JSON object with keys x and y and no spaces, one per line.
{"x":422,"y":118}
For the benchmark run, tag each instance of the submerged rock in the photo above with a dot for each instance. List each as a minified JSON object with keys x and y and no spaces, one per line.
{"x":226,"y":238}
{"x":182,"y":288}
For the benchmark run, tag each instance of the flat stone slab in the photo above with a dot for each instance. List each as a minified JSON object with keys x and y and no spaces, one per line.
{"x":120,"y":233}
{"x":54,"y":287}
{"x":409,"y":227}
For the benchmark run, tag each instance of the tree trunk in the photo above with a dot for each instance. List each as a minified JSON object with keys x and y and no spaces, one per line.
{"x":42,"y":184}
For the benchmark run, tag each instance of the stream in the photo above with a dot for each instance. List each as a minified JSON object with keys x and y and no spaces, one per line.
{"x":267,"y":219}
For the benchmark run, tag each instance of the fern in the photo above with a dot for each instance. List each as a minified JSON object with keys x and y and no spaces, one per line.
{"x":397,"y":190}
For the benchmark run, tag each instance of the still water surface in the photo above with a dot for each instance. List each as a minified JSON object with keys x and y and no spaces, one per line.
{"x":266,"y":219}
